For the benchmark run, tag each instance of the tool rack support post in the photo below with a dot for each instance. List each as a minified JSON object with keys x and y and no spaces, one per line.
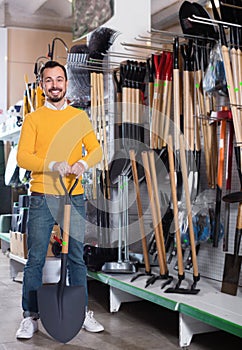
{"x":189,"y":326}
{"x":117,"y":297}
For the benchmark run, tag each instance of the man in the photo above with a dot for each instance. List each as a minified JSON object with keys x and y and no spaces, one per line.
{"x":56,"y":139}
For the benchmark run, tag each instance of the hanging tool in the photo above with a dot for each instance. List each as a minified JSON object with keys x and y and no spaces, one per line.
{"x":231,"y":87}
{"x":188,"y":123}
{"x":147,"y":271}
{"x":117,"y":77}
{"x":233,"y":261}
{"x":181,"y":273}
{"x":52,"y":47}
{"x":196,"y":275}
{"x":177,"y":116}
{"x":222,"y":141}
{"x":229,"y":160}
{"x":151,"y":180}
{"x":166,"y":100}
{"x":159,"y":61}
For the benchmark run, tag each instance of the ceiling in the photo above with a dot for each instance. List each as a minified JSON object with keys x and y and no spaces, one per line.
{"x":41,"y":14}
{"x":44,"y":14}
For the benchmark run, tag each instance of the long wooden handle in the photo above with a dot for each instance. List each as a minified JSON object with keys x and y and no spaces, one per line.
{"x":66,"y":229}
{"x":157,"y":204}
{"x":188,"y":206}
{"x":140,"y":211}
{"x":167,"y":114}
{"x":163,"y":108}
{"x":153,"y":211}
{"x":232,"y":96}
{"x":176,"y":107}
{"x":175,"y":206}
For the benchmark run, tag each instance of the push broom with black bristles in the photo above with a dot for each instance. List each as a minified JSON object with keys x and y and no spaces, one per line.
{"x":100,"y":41}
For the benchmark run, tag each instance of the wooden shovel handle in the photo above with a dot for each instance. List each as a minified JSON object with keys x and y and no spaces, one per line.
{"x":67,"y":214}
{"x":188,"y":206}
{"x":145,"y":160}
{"x":140,"y":210}
{"x":175,"y":206}
{"x":66,"y":229}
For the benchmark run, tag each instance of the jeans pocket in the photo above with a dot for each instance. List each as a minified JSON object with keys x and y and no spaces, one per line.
{"x":78,"y":201}
{"x":36,"y":202}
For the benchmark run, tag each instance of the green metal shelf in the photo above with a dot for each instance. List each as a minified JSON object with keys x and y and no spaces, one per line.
{"x":209,"y":306}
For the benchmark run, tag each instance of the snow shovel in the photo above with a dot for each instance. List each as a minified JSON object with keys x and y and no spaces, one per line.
{"x":62,"y":307}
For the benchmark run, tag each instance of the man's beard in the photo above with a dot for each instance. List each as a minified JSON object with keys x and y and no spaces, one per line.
{"x":56,"y":98}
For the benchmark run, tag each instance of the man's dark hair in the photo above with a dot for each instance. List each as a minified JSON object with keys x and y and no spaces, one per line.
{"x":52,"y":64}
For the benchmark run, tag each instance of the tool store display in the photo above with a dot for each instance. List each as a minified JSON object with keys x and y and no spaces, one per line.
{"x":175,"y":132}
{"x":171,"y":81}
{"x":172,"y":84}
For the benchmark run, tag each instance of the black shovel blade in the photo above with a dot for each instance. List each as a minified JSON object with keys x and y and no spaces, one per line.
{"x":62,"y":310}
{"x":231,"y":274}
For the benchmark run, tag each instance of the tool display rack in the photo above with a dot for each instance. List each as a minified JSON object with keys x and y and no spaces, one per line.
{"x":208,"y":311}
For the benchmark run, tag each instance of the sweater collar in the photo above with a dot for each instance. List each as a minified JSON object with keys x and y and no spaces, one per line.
{"x":51,"y":106}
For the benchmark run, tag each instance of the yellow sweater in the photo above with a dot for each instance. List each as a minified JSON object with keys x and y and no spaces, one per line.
{"x":56,"y":135}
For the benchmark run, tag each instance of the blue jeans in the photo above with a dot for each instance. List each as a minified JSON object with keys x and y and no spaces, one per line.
{"x":44,"y":212}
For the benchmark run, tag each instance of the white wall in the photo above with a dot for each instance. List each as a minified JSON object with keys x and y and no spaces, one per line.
{"x":131,"y":18}
{"x":3,"y":69}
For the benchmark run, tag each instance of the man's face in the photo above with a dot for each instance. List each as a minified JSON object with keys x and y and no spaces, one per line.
{"x":54,"y":84}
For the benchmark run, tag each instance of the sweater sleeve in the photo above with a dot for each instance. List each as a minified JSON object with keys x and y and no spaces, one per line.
{"x":26,"y":155}
{"x":93,"y":149}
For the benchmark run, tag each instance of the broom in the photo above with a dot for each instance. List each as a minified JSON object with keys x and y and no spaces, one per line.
{"x":100,"y":41}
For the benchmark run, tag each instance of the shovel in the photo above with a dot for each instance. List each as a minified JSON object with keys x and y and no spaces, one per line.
{"x":232,"y":263}
{"x":62,"y":307}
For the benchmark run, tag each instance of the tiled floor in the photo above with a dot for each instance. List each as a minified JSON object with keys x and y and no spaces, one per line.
{"x":137,"y":325}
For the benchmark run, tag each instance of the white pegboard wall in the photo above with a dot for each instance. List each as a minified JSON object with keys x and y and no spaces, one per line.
{"x":211,"y":259}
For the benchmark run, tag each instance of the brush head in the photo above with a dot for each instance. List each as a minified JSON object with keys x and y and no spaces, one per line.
{"x":82,"y":48}
{"x":101,"y":40}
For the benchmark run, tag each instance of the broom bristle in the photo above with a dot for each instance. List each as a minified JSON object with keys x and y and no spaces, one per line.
{"x":82,"y":48}
{"x":101,"y":40}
